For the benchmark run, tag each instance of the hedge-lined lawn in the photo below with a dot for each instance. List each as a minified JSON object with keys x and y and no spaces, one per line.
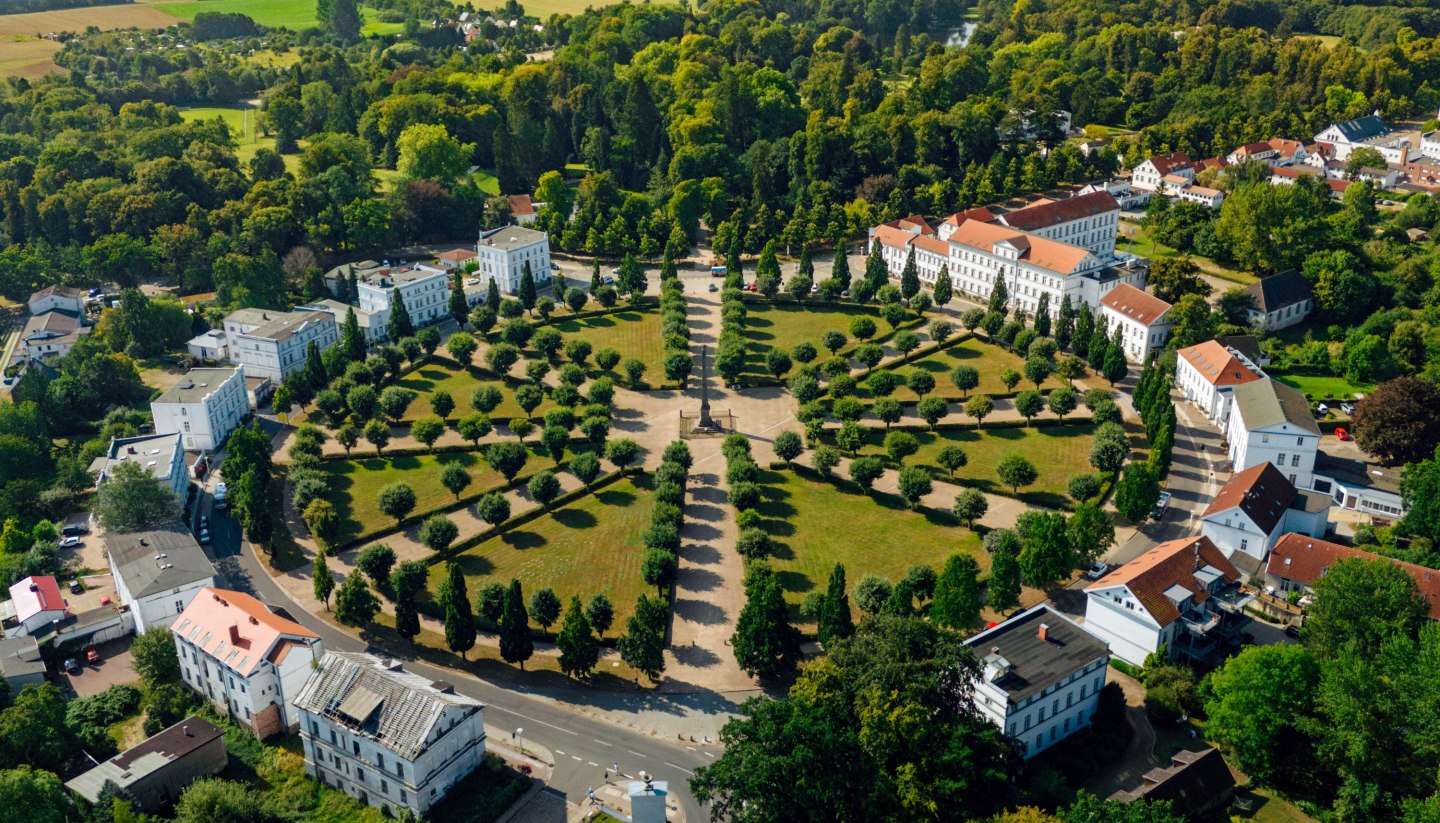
{"x":989,"y":360}
{"x":880,"y":536}
{"x":355,"y":484}
{"x":1318,"y":387}
{"x":461,"y":383}
{"x":590,"y":545}
{"x":782,"y":325}
{"x":632,"y":333}
{"x":1058,"y":453}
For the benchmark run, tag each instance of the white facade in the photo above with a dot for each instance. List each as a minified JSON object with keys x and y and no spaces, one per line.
{"x":425,"y":291}
{"x":212,"y":345}
{"x":279,"y":346}
{"x":37,"y":603}
{"x":1143,"y":319}
{"x":1150,"y":174}
{"x":1362,"y":489}
{"x":163,"y":455}
{"x":372,"y":327}
{"x":1201,"y":195}
{"x":1208,"y":373}
{"x":1271,"y":423}
{"x":204,"y":407}
{"x":1367,"y":133}
{"x":57,"y":298}
{"x":1430,"y":145}
{"x":502,"y":254}
{"x":386,"y":737}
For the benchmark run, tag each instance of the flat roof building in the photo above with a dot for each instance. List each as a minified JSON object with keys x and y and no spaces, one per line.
{"x":154,"y":772}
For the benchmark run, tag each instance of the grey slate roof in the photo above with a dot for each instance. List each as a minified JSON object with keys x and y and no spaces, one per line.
{"x":1038,"y":664}
{"x":155,"y":452}
{"x":1363,"y":128}
{"x":196,"y":385}
{"x":135,"y":556}
{"x":511,"y":237}
{"x":146,"y":758}
{"x":1277,"y":291}
{"x":285,"y":324}
{"x":20,"y":656}
{"x":397,"y":708}
{"x":1269,"y":402}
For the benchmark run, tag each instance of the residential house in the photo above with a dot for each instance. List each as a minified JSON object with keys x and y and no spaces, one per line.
{"x":1207,"y":374}
{"x":162,"y":454}
{"x":1366,"y":132}
{"x":1287,"y":175}
{"x":52,"y":334}
{"x":1040,"y":677}
{"x":153,"y":773}
{"x":1196,"y":785}
{"x":57,"y":298}
{"x":1381,"y":178}
{"x":20,"y":662}
{"x":244,"y":659}
{"x":280,"y":345}
{"x":37,"y":604}
{"x":157,"y":572}
{"x":1179,"y":595}
{"x":1126,"y":196}
{"x":1150,"y":174}
{"x":1259,"y":151}
{"x":424,"y":289}
{"x":1254,"y":508}
{"x":1248,"y":345}
{"x":212,"y":345}
{"x":387,"y":737}
{"x":1363,"y":492}
{"x":505,"y":252}
{"x":1288,"y":152}
{"x":355,"y":271}
{"x":1280,"y":300}
{"x":1271,"y":422}
{"x":372,"y":325}
{"x":1299,"y":560}
{"x":1143,"y":318}
{"x":456,"y":258}
{"x":1200,"y":195}
{"x":1090,"y":221}
{"x":1430,"y":144}
{"x":522,"y":209}
{"x":204,"y":407}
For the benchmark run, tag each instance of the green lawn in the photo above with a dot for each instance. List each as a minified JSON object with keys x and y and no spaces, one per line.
{"x":989,"y":360}
{"x":881,"y":536}
{"x":1137,"y":239}
{"x":1323,"y":387}
{"x":632,"y":333}
{"x":782,"y":325}
{"x":291,"y":14}
{"x":591,"y":545}
{"x":461,"y":383}
{"x":1058,"y":453}
{"x":356,"y":483}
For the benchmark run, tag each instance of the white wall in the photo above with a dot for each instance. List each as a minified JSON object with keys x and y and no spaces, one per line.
{"x":1292,"y":452}
{"x":162,"y":608}
{"x":1131,"y":632}
{"x":1232,"y":531}
{"x":204,"y":425}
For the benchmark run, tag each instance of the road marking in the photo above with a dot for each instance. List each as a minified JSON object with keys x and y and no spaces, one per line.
{"x":632,"y":751}
{"x":681,"y":768}
{"x":592,"y":762}
{"x":603,"y":743}
{"x":691,"y":748}
{"x":557,"y":751}
{"x":709,"y":755}
{"x":573,"y":757}
{"x":533,"y":720}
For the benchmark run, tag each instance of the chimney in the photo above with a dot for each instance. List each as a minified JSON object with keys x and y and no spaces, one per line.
{"x":186,"y":731}
{"x":1044,"y":633}
{"x":234,"y":634}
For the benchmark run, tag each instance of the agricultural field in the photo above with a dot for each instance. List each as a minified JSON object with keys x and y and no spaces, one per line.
{"x":632,"y":333}
{"x":882,"y":536}
{"x":782,"y":325}
{"x":25,"y":56}
{"x":544,"y":8}
{"x":588,"y":546}
{"x":355,"y":484}
{"x":290,"y":14}
{"x":989,"y":360}
{"x":461,"y":383}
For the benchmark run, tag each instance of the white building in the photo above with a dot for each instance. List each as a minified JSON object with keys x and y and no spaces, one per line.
{"x":244,"y":659}
{"x":1271,"y":422}
{"x":1430,"y":145}
{"x":372,"y":326}
{"x":1254,"y":509}
{"x":456,"y":259}
{"x":1288,"y":152}
{"x":204,"y":407}
{"x":1090,"y":220}
{"x":212,"y":345}
{"x":1367,"y":133}
{"x":1143,"y":318}
{"x":425,"y":291}
{"x":1150,"y":174}
{"x":1299,"y":561}
{"x":1200,"y":195}
{"x":1260,"y":151}
{"x":503,"y":253}
{"x":1126,"y":196}
{"x":38,"y":605}
{"x":157,"y":572}
{"x":1207,"y":374}
{"x":1040,"y":677}
{"x":1280,"y":300}
{"x":387,"y":737}
{"x":1363,"y":492}
{"x":278,"y":346}
{"x":162,"y":454}
{"x":51,"y":334}
{"x":57,"y":298}
{"x":1178,"y":595}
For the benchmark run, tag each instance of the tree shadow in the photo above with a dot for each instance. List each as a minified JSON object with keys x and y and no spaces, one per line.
{"x":473,"y":565}
{"x":575,"y":518}
{"x":699,"y":611}
{"x":701,"y":554}
{"x":698,"y":580}
{"x":615,"y":497}
{"x":522,"y":540}
{"x":793,"y":581}
{"x":695,"y":657}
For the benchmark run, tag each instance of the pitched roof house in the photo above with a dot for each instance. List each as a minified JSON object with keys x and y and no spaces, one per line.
{"x":1299,"y":560}
{"x":1280,"y":300}
{"x":1207,"y":373}
{"x":1254,"y":508}
{"x":1195,"y":784}
{"x":1143,"y":317}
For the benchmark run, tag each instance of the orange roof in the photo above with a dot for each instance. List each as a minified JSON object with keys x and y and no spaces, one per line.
{"x":1284,"y":146}
{"x":893,"y":236}
{"x":521,"y":205}
{"x":1254,"y":148}
{"x":236,"y":629}
{"x":980,"y":213}
{"x":1163,"y":163}
{"x":915,"y":221}
{"x":1261,"y":492}
{"x":1060,"y":258}
{"x":457,"y":255}
{"x":1044,"y":212}
{"x":1135,"y":304}
{"x":932,"y":245}
{"x":1304,"y":559}
{"x":1169,"y":564}
{"x":1217,"y":365}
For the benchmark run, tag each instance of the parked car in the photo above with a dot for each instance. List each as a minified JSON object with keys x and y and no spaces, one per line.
{"x":554,"y":266}
{"x":1161,"y":504}
{"x":220,"y":493}
{"x":201,"y":466}
{"x":1342,"y":434}
{"x":75,"y":529}
{"x":204,"y":521}
{"x":69,"y":542}
{"x":1097,"y":571}
{"x":1348,"y":408}
{"x":205,"y":537}
{"x":1322,"y":410}
{"x":608,"y":280}
{"x":714,"y":288}
{"x":72,"y":665}
{"x":92,"y":656}
{"x":472,"y":281}
{"x":1292,"y":631}
{"x":76,"y":587}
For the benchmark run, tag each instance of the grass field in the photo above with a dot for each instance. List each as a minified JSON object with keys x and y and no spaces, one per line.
{"x":24,"y":56}
{"x":461,"y":383}
{"x":355,"y":484}
{"x":881,"y":536}
{"x":1137,"y":239}
{"x":989,"y":360}
{"x":1058,"y":452}
{"x":248,"y":139}
{"x":291,"y":14}
{"x":591,"y":545}
{"x":782,"y":325}
{"x":632,"y":333}
{"x":1323,"y":387}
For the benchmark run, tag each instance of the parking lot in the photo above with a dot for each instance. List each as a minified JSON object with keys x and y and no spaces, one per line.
{"x":115,"y":666}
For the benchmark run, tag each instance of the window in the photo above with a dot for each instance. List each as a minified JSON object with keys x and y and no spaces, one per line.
{"x":359,"y":774}
{"x":380,"y":761}
{"x":1243,"y":544}
{"x":333,"y":741}
{"x":1282,"y":459}
{"x":355,"y":744}
{"x":1299,"y":441}
{"x":1294,"y":461}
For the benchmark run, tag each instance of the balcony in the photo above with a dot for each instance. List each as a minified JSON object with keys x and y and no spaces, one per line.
{"x":1201,"y":623}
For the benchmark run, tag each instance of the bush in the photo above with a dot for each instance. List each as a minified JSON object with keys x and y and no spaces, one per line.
{"x":110,"y":706}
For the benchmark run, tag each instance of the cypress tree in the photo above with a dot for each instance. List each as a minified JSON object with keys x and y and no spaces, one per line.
{"x":734,"y":266}
{"x":408,"y":581}
{"x":999,"y":298}
{"x":807,"y":266}
{"x":944,"y":290}
{"x":1042,"y":316}
{"x":516,"y":646}
{"x":459,"y":619}
{"x":835,"y":622}
{"x":875,"y":272}
{"x":765,"y":643}
{"x":492,"y":295}
{"x":595,"y":281}
{"x":1065,"y":324}
{"x":527,"y":287}
{"x":957,"y":593}
{"x":579,"y":650}
{"x":909,"y":277}
{"x":400,"y":325}
{"x":1084,"y":328}
{"x":841,"y":269}
{"x":352,"y":339}
{"x":315,"y":375}
{"x":459,"y":309}
{"x":667,"y":266}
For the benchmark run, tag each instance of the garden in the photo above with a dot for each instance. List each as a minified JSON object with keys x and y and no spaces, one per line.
{"x":990,"y":361}
{"x":774,"y":325}
{"x":634,"y":334}
{"x":460,"y":383}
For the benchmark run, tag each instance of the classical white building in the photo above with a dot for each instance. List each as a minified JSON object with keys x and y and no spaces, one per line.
{"x":424,"y":289}
{"x":163,"y":455}
{"x":1177,"y":595}
{"x":1143,"y":318}
{"x":1207,"y":374}
{"x":204,"y":407}
{"x":57,"y":298}
{"x":1367,"y":133}
{"x":244,"y":659}
{"x":1430,"y":145}
{"x":502,"y":254}
{"x":278,"y":344}
{"x":372,"y":326}
{"x":37,"y":604}
{"x":1089,"y":220}
{"x":1280,"y":300}
{"x":1040,"y":677}
{"x":1150,"y":174}
{"x":157,"y":572}
{"x":210,"y":345}
{"x":1271,"y":422}
{"x":1255,"y":508}
{"x":387,"y":737}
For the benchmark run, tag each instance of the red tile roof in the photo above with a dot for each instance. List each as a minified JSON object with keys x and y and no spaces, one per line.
{"x":915,"y":221}
{"x":1135,"y":304}
{"x":1054,"y":212}
{"x":1169,"y":564}
{"x":1217,"y":365}
{"x":1261,"y":492}
{"x":1053,"y":255}
{"x":457,"y":255}
{"x":892,"y":236}
{"x":521,"y":205}
{"x":34,"y":595}
{"x":980,"y":213}
{"x":237,"y":629}
{"x":1287,"y":148}
{"x":1304,"y":559}
{"x":1163,"y":163}
{"x":934,"y":245}
{"x":1254,"y":148}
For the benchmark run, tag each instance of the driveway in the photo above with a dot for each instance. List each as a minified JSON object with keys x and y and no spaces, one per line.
{"x":115,"y":666}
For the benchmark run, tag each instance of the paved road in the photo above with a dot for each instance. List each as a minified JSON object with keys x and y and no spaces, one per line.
{"x":583,"y":747}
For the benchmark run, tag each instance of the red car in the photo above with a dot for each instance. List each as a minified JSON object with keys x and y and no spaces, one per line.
{"x":1342,"y":434}
{"x":92,"y":656}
